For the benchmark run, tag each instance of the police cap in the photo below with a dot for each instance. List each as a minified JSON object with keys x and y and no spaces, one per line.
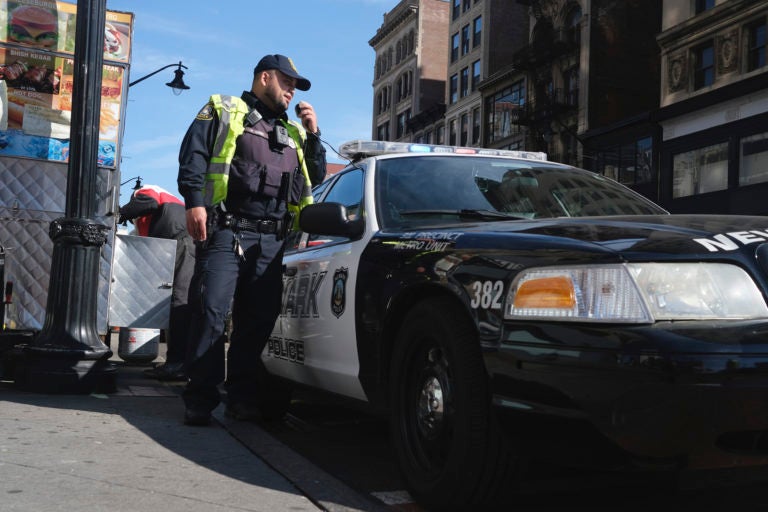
{"x":285,"y":65}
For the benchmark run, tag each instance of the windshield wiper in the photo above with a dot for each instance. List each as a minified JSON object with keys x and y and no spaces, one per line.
{"x":464,"y":213}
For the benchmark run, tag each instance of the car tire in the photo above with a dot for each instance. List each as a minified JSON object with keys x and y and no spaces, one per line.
{"x":449,"y":447}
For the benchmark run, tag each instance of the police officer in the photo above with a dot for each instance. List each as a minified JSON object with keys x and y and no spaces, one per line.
{"x":245,"y":171}
{"x":157,"y":213}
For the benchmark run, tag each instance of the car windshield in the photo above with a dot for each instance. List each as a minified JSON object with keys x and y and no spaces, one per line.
{"x":433,"y":190}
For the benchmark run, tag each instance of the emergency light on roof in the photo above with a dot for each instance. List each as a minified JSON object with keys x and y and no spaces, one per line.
{"x":358,"y":149}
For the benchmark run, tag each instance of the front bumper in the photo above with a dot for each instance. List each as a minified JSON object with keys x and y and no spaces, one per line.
{"x":689,"y":394}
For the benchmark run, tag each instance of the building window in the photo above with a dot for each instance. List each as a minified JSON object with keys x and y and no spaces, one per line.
{"x":756,"y":45}
{"x":428,"y":137}
{"x":477,"y":35}
{"x":464,"y":82}
{"x":475,"y":74}
{"x":514,"y":146}
{"x":464,"y":140}
{"x":703,"y":66}
{"x":454,"y":47}
{"x":465,"y":39}
{"x":402,"y":122}
{"x":503,"y":111}
{"x":570,"y":147}
{"x":452,"y":132}
{"x":456,"y":11}
{"x":440,"y":135}
{"x":754,"y":159}
{"x":382,"y":131}
{"x":467,"y":5}
{"x":403,"y":86}
{"x":703,"y":5}
{"x":628,"y":163}
{"x":383,"y":100}
{"x":571,"y":83}
{"x":476,"y":127}
{"x":573,"y":26}
{"x":453,"y":94}
{"x":700,"y":171}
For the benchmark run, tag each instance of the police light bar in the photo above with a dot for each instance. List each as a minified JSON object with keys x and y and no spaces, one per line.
{"x":358,"y":149}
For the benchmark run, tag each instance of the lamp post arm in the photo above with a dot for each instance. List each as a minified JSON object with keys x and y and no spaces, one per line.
{"x":180,"y":65}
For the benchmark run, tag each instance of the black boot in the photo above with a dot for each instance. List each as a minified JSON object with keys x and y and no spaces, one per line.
{"x":167,"y":372}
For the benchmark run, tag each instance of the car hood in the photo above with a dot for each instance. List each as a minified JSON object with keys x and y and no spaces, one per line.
{"x":629,"y":235}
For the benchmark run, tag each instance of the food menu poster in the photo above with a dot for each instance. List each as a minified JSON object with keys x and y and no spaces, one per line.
{"x":50,"y":26}
{"x":37,"y":77}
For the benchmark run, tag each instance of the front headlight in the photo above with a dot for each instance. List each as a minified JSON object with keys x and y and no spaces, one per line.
{"x":635,"y":293}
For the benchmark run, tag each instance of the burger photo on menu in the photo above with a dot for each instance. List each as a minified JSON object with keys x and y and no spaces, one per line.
{"x":32,"y":25}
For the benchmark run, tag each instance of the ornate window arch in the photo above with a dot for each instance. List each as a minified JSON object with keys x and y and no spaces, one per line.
{"x":572,"y":23}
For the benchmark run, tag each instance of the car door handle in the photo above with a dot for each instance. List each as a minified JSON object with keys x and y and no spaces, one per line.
{"x":289,"y":271}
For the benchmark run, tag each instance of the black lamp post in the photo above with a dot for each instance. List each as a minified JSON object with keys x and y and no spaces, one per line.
{"x":68,"y":356}
{"x":177,"y":84}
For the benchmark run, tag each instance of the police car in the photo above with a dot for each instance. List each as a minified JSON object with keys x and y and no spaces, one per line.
{"x":498,"y":307}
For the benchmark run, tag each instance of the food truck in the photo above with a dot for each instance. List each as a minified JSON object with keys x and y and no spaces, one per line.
{"x":37,"y":42}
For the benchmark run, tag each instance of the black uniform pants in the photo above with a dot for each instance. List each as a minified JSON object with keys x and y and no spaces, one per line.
{"x":252,"y":286}
{"x":179,"y":319}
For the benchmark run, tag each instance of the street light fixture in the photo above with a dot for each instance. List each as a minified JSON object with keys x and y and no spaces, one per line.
{"x":137,"y":186}
{"x":177,"y":84}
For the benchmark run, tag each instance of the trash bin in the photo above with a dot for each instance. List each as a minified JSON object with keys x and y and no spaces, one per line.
{"x":137,"y":345}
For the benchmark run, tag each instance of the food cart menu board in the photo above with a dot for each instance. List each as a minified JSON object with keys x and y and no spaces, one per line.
{"x":37,"y":42}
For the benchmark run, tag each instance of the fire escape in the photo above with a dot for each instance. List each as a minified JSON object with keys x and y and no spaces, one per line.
{"x":549,"y":110}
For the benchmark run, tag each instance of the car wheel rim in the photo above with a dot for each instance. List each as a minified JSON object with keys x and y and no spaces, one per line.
{"x":431,"y":427}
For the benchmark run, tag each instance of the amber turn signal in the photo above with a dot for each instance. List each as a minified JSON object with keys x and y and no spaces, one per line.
{"x":554,"y":292}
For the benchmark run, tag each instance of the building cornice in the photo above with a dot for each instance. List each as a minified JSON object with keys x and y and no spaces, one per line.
{"x":393,"y":20}
{"x":737,"y":89}
{"x":504,"y":74}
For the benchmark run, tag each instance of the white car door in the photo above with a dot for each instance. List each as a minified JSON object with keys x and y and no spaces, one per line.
{"x":314,"y":340}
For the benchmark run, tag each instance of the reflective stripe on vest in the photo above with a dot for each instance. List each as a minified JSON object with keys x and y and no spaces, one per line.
{"x":298,"y":134}
{"x":231,"y":112}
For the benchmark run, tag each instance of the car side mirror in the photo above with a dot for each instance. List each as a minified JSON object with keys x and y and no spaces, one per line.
{"x":329,"y":219}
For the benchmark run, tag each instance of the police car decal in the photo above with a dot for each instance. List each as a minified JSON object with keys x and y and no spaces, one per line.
{"x":300,"y":295}
{"x":487,"y":294}
{"x":287,"y":349}
{"x":339,"y":295}
{"x":733,"y":240}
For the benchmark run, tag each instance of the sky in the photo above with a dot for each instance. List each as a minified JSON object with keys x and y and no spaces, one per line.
{"x":220,"y":43}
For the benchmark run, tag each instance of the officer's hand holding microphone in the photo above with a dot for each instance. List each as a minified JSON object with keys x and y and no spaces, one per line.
{"x":306,"y":114}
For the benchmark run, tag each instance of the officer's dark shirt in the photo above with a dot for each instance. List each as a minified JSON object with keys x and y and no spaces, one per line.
{"x":196,"y":151}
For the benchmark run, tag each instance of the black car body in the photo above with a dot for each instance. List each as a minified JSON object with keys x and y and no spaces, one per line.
{"x":498,"y":307}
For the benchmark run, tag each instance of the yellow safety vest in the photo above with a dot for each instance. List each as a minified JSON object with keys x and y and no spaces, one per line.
{"x":232,"y":111}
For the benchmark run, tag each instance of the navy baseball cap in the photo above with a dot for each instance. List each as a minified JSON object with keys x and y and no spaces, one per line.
{"x":285,"y":65}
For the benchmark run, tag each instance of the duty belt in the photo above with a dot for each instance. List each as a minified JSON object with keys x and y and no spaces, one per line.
{"x":268,"y":226}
